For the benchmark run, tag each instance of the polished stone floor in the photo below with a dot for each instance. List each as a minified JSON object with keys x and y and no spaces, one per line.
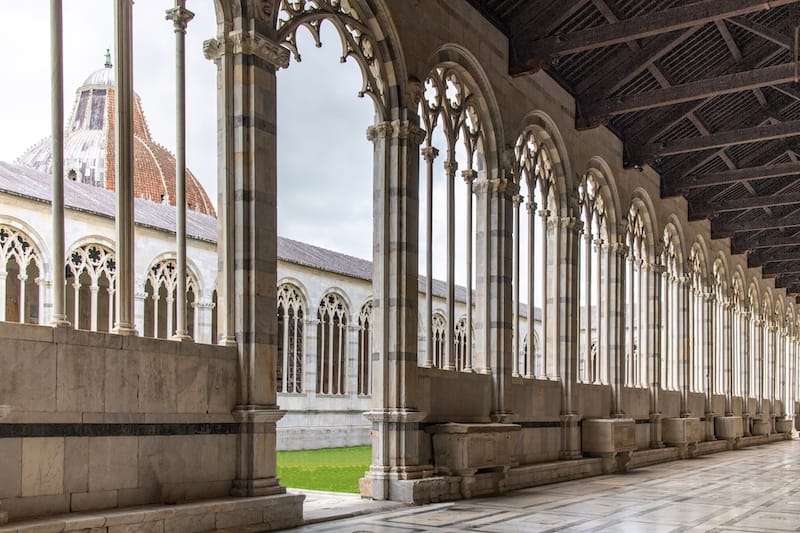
{"x":756,"y":490}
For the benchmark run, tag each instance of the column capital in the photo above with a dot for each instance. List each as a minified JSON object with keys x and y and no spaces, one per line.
{"x":517,"y":199}
{"x":248,"y":43}
{"x":402,"y":129}
{"x":451,"y":167}
{"x":180,"y":16}
{"x":429,"y":153}
{"x":469,"y":175}
{"x":531,"y":206}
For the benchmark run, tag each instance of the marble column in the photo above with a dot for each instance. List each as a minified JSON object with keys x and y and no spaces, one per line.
{"x":429,"y":153}
{"x":251,"y":113}
{"x":566,"y":328}
{"x":517,"y":333}
{"x":746,"y":370}
{"x":710,"y":325}
{"x":618,"y":253}
{"x":180,"y":17}
{"x":123,"y":169}
{"x":655,"y":275}
{"x":58,"y":314}
{"x":494,"y":283}
{"x":396,"y":454}
{"x":450,"y":166}
{"x":469,"y":178}
{"x":683,"y":341}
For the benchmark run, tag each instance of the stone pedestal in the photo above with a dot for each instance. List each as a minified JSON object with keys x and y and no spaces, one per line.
{"x":612,"y":439}
{"x":761,"y":426}
{"x":683,"y":433}
{"x":746,"y":424}
{"x":797,"y":422}
{"x":467,"y":449}
{"x":709,"y":426}
{"x":784,"y":425}
{"x":729,"y":428}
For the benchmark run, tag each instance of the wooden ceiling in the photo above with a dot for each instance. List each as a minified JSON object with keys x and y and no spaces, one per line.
{"x":704,"y":91}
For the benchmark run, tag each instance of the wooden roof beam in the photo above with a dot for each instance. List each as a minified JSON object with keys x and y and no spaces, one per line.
{"x":647,"y":25}
{"x":759,"y":224}
{"x":757,"y":259}
{"x":649,"y":152}
{"x":601,"y":111}
{"x":740,"y":243}
{"x":752,"y":202}
{"x":679,"y":185}
{"x":781,"y":268}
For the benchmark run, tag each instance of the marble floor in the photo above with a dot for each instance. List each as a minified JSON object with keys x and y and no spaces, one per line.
{"x":755,"y":490}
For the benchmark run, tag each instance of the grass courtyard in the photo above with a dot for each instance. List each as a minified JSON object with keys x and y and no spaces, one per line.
{"x":330,"y":469}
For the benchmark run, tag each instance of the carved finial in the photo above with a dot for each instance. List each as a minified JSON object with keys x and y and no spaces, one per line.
{"x":108,"y":63}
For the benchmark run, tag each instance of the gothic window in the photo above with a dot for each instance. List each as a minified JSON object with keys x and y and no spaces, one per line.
{"x":460,"y":335}
{"x":20,"y":271}
{"x":752,"y":368}
{"x":364,"y":348}
{"x":699,"y":320}
{"x":535,"y":280}
{"x":91,"y":275}
{"x":637,"y":298}
{"x":331,"y":345}
{"x":738,"y":337}
{"x":160,"y":311}
{"x":720,"y":328}
{"x":449,"y":108}
{"x":439,"y":326}
{"x":291,"y":313}
{"x":670,"y":310}
{"x":590,"y":289}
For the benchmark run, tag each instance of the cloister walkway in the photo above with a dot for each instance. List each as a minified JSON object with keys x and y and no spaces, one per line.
{"x":756,"y":489}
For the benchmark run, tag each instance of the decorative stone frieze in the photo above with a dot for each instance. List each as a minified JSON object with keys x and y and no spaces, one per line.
{"x":248,"y":43}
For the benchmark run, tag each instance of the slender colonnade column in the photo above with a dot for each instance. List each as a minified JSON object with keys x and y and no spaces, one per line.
{"x":470,"y":176}
{"x":545,"y":216}
{"x":682,"y":288}
{"x":429,"y":153}
{"x":180,"y":17}
{"x":449,"y":351}
{"x":516,"y":200}
{"x":530,"y":206}
{"x":123,"y":172}
{"x":59,"y":312}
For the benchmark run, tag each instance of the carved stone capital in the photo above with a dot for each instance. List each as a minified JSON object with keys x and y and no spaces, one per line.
{"x":214,"y":49}
{"x":451,"y":167}
{"x":254,"y":44}
{"x":381,"y":130}
{"x":469,"y":175}
{"x":401,"y":129}
{"x":180,"y":17}
{"x":429,"y":153}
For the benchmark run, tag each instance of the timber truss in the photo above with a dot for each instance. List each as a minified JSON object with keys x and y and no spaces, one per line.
{"x":704,"y":91}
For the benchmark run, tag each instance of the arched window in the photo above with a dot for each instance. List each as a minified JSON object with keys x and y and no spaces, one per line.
{"x":699,"y":296}
{"x":755,"y":329}
{"x":291,"y":313}
{"x":535,"y":175}
{"x":738,"y":337}
{"x":439,"y":336}
{"x":670,"y":310}
{"x":20,"y":270}
{"x":460,"y":336}
{"x":92,"y":270}
{"x":590,"y":289}
{"x":720,"y":329}
{"x":160,"y":311}
{"x":331,"y":345}
{"x":450,"y":112}
{"x":364,"y":348}
{"x":637,"y":298}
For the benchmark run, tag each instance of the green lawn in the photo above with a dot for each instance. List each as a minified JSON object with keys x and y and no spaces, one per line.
{"x":331,"y":469}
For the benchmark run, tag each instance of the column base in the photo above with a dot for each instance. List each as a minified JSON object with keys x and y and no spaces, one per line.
{"x":709,"y":426}
{"x":182,"y":337}
{"x":570,"y":437}
{"x":247,"y":488}
{"x":124,"y":329}
{"x":746,"y":424}
{"x":656,"y":440}
{"x":227,"y":340}
{"x":255,"y":459}
{"x":60,"y":321}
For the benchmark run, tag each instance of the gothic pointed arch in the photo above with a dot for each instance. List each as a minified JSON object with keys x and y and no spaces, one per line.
{"x":291,"y":309}
{"x":160,"y":284}
{"x":333,"y":316}
{"x":21,"y":274}
{"x":91,"y":272}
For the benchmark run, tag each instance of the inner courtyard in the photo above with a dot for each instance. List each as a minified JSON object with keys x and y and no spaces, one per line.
{"x":583,"y":269}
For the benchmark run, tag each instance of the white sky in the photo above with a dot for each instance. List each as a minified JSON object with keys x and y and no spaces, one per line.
{"x":324,"y":159}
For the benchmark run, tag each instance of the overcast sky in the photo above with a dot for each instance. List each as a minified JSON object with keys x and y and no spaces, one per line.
{"x":324,"y":161}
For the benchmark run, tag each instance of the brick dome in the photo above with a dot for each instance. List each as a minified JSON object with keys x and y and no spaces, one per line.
{"x":89,"y":148}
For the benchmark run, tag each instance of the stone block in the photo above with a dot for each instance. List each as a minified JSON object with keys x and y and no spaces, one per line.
{"x":603,"y":436}
{"x":194,"y":523}
{"x":113,"y":463}
{"x":783,"y":425}
{"x":157,"y":383}
{"x":93,"y":501}
{"x":42,"y":466}
{"x":728,"y":427}
{"x":761,"y":426}
{"x":76,"y":464}
{"x":80,"y":383}
{"x":465,"y":449}
{"x":29,"y":375}
{"x":122,"y":382}
{"x":154,"y":526}
{"x":10,"y":467}
{"x":681,"y":431}
{"x":192,"y":384}
{"x":238,"y":518}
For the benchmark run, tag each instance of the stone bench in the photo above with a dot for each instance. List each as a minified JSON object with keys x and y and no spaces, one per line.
{"x":612,"y":439}
{"x":682,"y":433}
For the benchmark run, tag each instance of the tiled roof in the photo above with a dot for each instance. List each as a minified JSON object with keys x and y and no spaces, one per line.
{"x":29,"y":183}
